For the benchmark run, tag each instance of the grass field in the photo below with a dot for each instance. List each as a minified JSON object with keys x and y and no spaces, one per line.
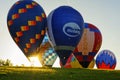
{"x":31,"y":73}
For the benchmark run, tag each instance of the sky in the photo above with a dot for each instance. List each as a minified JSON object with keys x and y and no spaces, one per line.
{"x":105,"y":14}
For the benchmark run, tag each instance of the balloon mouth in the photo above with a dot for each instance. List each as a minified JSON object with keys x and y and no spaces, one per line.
{"x":85,"y":64}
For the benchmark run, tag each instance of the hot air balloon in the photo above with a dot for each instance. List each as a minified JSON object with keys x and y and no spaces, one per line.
{"x":72,"y":62}
{"x":92,"y":64}
{"x":26,"y":22}
{"x":89,"y":45}
{"x":47,"y":55}
{"x":65,"y":28}
{"x":106,"y":60}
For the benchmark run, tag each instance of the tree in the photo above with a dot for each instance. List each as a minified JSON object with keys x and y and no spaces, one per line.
{"x":5,"y":62}
{"x":2,"y":62}
{"x":8,"y":63}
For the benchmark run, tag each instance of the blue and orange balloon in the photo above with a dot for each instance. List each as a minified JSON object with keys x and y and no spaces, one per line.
{"x":106,"y":60}
{"x":89,"y":45}
{"x":27,"y":22}
{"x":65,"y":28}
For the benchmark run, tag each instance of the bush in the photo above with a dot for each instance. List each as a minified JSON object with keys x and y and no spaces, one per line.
{"x":5,"y":62}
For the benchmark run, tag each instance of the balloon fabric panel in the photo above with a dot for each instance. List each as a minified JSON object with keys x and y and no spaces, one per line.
{"x":104,"y":66}
{"x":47,"y":55}
{"x":93,"y":40}
{"x":58,"y":16}
{"x":50,"y":30}
{"x":65,"y":28}
{"x":89,"y":44}
{"x":106,"y":60}
{"x":64,"y":55}
{"x":27,"y":27}
{"x":72,"y":62}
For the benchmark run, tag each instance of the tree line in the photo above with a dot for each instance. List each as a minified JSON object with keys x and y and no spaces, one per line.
{"x":6,"y":62}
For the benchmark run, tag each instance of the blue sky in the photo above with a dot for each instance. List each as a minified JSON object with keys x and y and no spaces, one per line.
{"x":105,"y":14}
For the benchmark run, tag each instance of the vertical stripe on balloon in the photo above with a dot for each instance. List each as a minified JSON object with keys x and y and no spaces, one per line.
{"x":85,"y":42}
{"x":23,"y":10}
{"x":31,"y":23}
{"x":28,"y":45}
{"x":32,"y":40}
{"x":29,"y":6}
{"x":24,"y":28}
{"x":50,"y":31}
{"x":38,"y":18}
{"x":10,"y":22}
{"x":15,"y":16}
{"x":91,"y":39}
{"x":98,"y":41}
{"x":37,"y":36}
{"x":19,"y":34}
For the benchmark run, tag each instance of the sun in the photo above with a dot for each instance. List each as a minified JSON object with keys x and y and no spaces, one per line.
{"x":35,"y":61}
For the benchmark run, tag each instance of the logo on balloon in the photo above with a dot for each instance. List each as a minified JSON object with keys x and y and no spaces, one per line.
{"x":71,"y":29}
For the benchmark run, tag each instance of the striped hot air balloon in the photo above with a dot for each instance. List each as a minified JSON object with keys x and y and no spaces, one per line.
{"x":106,"y":60}
{"x":65,"y":28}
{"x":26,"y":22}
{"x":89,"y":45}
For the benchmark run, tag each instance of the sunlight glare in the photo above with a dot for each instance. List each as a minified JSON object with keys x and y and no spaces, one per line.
{"x":35,"y":61}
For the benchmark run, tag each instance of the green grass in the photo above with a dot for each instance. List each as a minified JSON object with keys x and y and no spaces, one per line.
{"x":30,"y":73}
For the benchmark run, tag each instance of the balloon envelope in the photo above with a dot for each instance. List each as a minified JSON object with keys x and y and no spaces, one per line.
{"x":72,"y":62}
{"x":106,"y":60}
{"x":26,"y":22}
{"x":65,"y":28}
{"x":89,"y":45}
{"x":47,"y":55}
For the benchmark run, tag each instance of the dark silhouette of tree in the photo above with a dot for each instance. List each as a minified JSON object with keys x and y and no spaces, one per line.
{"x":5,"y":62}
{"x":8,"y":63}
{"x":2,"y":62}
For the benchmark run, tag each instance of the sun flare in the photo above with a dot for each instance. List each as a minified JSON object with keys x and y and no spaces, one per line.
{"x":35,"y":61}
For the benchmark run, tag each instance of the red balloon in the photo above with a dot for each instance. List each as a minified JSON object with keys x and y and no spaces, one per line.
{"x":89,"y":45}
